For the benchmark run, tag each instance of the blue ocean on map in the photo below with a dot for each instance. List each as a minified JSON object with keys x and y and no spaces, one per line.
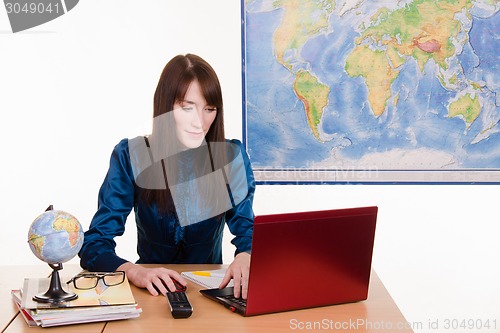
{"x":416,"y":118}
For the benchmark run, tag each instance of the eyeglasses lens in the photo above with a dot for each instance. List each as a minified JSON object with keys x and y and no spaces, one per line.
{"x":86,"y":282}
{"x":113,"y":279}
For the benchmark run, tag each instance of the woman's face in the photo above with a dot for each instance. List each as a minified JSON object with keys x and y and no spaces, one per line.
{"x":193,"y":117}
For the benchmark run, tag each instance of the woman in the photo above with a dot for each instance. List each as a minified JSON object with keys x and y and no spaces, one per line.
{"x":184,"y":181}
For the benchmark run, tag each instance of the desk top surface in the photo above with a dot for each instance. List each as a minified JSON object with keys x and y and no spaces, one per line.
{"x":378,"y":313}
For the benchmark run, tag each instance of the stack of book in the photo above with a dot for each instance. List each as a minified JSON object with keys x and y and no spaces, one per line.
{"x":101,"y":303}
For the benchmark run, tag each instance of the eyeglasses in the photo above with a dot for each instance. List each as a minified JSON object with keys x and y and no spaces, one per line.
{"x":89,"y":280}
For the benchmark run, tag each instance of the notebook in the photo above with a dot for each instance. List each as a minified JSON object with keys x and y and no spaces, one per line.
{"x":329,"y":251}
{"x":208,"y":282}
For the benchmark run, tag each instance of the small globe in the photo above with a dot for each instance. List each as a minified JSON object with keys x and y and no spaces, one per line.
{"x":55,"y":237}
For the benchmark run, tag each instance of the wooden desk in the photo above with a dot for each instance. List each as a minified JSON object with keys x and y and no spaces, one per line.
{"x":377,"y":314}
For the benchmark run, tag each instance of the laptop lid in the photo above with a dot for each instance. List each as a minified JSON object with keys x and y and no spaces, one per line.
{"x":309,"y":259}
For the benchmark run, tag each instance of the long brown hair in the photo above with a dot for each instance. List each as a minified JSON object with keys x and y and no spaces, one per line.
{"x":175,"y":79}
{"x":174,"y":83}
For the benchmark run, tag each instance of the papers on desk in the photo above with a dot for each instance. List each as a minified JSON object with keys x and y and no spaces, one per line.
{"x":98,"y":304}
{"x":208,"y":279}
{"x":16,"y":297}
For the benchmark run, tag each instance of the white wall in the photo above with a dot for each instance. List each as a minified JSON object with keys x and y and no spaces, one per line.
{"x":72,"y":88}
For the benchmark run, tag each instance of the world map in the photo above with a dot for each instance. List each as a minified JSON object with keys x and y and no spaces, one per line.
{"x":394,"y":88}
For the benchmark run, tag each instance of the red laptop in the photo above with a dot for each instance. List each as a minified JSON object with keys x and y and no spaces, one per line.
{"x":329,"y":248}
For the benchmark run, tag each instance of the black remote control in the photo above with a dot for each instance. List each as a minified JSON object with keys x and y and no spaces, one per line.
{"x":179,"y":304}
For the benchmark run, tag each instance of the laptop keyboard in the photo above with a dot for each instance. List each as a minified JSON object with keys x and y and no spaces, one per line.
{"x":240,"y":301}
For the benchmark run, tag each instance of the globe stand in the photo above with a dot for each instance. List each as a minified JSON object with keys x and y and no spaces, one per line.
{"x":55,"y":293}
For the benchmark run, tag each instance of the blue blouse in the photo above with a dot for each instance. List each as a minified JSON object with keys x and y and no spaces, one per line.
{"x":160,"y":236}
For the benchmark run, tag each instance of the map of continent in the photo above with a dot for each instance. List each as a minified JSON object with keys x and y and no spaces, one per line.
{"x":64,"y":223}
{"x":363,"y":85}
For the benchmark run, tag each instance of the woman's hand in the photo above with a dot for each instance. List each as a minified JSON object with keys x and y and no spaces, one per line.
{"x":238,"y":271}
{"x":155,"y":280}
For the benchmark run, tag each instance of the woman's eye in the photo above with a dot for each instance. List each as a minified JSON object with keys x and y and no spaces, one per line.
{"x":211,"y":109}
{"x":187,"y":108}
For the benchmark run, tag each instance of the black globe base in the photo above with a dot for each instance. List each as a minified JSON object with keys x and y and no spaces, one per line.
{"x":55,"y":293}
